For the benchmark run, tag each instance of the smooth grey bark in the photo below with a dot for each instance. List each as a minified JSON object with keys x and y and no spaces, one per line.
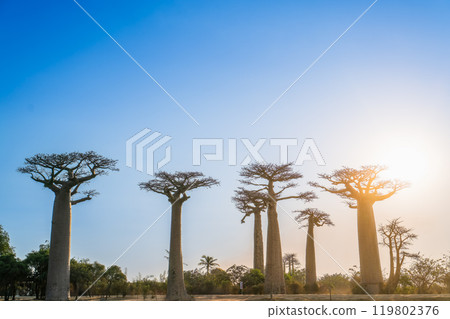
{"x":310,"y":259}
{"x":258,"y":249}
{"x":274,"y":276}
{"x":58,"y":280}
{"x":63,"y":174}
{"x":369,"y":256}
{"x":176,"y":289}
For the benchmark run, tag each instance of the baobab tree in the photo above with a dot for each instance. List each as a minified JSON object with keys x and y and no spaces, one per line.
{"x":290,"y":260}
{"x":64,"y":174}
{"x":398,"y":239}
{"x":311,"y":217}
{"x":208,"y":263}
{"x":175,"y":186}
{"x":272,"y":180}
{"x":252,"y":203}
{"x":362,"y":188}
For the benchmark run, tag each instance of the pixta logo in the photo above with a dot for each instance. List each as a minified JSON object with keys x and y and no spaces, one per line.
{"x":141,"y":151}
{"x":308,"y":151}
{"x":141,"y":148}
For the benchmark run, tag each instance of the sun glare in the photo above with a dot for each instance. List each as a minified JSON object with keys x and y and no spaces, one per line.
{"x":407,"y":162}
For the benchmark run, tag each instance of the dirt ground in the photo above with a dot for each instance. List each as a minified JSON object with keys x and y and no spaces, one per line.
{"x":301,"y":297}
{"x":324,"y":297}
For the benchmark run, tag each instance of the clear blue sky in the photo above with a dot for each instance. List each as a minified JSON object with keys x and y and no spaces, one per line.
{"x":382,"y":92}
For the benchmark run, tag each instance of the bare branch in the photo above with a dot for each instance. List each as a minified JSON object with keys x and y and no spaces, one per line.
{"x":175,"y":185}
{"x":274,"y":179}
{"x":363,"y":183}
{"x":249,"y":202}
{"x":88,"y":196}
{"x":313,"y":216}
{"x":66,"y":170}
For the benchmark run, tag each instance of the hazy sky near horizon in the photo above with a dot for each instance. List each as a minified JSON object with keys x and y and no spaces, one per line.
{"x":379,"y":96}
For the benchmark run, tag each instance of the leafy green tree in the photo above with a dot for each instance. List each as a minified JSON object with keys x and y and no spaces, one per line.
{"x":447,"y":275}
{"x":236,"y":273}
{"x":5,"y":247}
{"x":355,"y":275}
{"x":115,"y":281}
{"x":426,"y":272}
{"x":37,"y":262}
{"x":295,"y":281}
{"x":208,"y":263}
{"x":149,"y":285}
{"x":146,"y":287}
{"x":195,"y":282}
{"x":12,"y":272}
{"x":217,"y":281}
{"x":337,"y":282}
{"x":81,"y":275}
{"x":221,"y":280}
{"x":253,"y":281}
{"x":100,"y":287}
{"x":405,"y":285}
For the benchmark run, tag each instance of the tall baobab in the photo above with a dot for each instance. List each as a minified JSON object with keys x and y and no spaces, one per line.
{"x":272,"y":180}
{"x":398,"y":239}
{"x":63,"y":174}
{"x":252,"y":203}
{"x":311,"y":217}
{"x":363,"y":188}
{"x":208,"y":263}
{"x":175,"y":186}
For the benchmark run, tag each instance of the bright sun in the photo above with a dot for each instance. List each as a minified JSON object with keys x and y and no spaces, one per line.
{"x":406,"y":162}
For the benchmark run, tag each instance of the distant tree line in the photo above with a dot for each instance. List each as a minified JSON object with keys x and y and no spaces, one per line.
{"x":28,"y":277}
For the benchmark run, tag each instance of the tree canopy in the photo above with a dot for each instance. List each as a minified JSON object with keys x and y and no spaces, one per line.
{"x":175,"y":185}
{"x":363,"y":183}
{"x":68,"y":171}
{"x":268,"y":176}
{"x":313,"y":215}
{"x":249,"y":202}
{"x":5,"y":247}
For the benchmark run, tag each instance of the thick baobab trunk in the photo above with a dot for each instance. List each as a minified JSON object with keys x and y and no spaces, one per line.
{"x":176,"y":289}
{"x":310,"y":262}
{"x":258,"y":249}
{"x":369,"y":256}
{"x":274,"y":274}
{"x":58,"y":280}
